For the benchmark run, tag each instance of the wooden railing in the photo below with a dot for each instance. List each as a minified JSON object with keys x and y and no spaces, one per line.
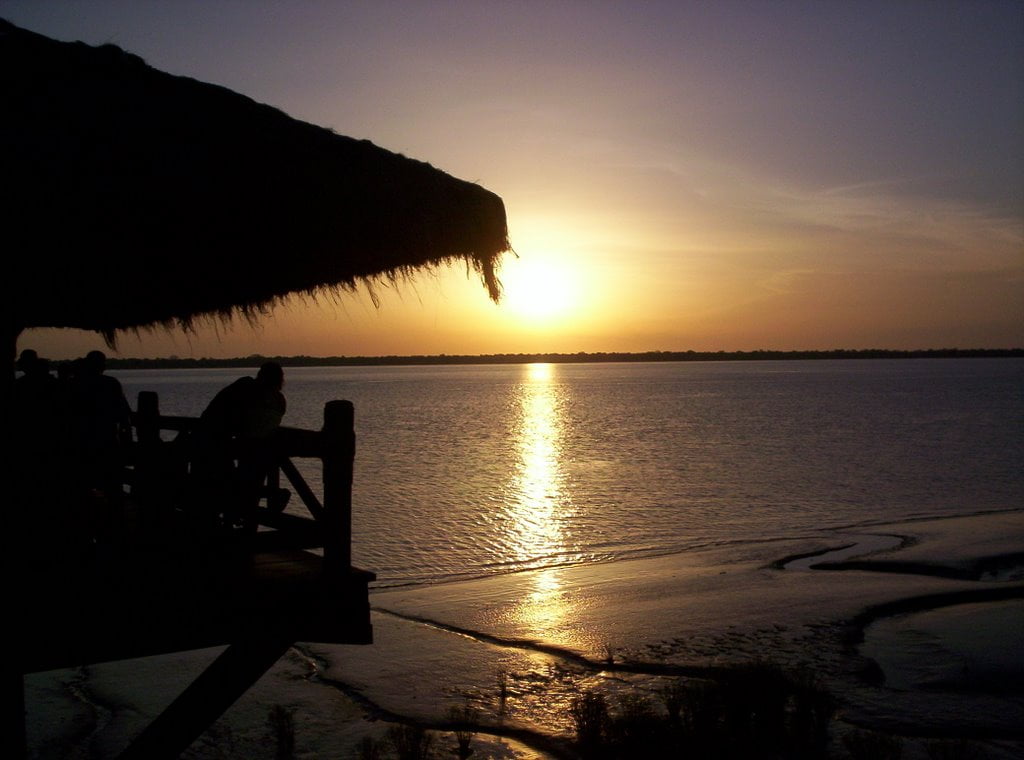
{"x":161,"y":471}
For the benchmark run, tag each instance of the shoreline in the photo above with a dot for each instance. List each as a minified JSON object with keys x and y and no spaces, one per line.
{"x":620,"y":628}
{"x":641,"y":654}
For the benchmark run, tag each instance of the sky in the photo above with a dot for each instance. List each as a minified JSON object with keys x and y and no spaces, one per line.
{"x":677,"y":175}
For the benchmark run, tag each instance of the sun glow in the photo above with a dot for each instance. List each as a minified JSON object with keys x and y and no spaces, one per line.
{"x":538,"y":290}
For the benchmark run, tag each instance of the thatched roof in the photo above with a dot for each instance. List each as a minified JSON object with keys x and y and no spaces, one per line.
{"x":133,"y":197}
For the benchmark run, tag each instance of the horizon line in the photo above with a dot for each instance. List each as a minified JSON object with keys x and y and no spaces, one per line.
{"x":556,"y":357}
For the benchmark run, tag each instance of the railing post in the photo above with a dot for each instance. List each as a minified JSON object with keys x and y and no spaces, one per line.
{"x":339,"y":449}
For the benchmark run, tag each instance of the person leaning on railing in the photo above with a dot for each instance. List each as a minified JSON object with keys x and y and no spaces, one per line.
{"x":241,"y":423}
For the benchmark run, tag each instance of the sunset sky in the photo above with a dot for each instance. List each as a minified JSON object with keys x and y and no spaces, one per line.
{"x":677,"y":175}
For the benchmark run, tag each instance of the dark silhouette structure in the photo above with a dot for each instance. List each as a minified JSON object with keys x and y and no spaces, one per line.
{"x":171,"y":583}
{"x":130,"y":199}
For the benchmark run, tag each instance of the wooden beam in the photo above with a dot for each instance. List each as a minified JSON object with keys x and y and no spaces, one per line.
{"x":301,"y":488}
{"x":205,"y":699}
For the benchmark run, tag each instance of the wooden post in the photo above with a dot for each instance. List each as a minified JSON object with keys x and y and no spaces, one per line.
{"x":339,"y":449}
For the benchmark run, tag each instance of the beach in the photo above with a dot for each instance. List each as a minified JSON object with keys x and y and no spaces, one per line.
{"x":516,"y":648}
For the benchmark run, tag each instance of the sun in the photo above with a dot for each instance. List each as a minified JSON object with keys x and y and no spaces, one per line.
{"x":537,"y":289}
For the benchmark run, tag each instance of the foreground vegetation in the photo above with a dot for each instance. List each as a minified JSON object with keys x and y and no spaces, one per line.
{"x":753,"y":712}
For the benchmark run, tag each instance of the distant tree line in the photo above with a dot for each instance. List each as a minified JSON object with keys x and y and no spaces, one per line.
{"x":256,"y":360}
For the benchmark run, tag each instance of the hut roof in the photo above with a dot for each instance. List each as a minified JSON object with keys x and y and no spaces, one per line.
{"x":133,"y":197}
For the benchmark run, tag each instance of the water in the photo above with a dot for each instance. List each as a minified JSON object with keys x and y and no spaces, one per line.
{"x":465,"y":471}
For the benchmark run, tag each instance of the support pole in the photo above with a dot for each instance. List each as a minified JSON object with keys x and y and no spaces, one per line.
{"x":217,"y":688}
{"x":339,"y":450}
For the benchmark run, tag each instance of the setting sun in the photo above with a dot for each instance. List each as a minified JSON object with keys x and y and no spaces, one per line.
{"x":537,"y":289}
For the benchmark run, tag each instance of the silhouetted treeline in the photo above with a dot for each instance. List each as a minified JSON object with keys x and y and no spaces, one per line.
{"x":581,"y":357}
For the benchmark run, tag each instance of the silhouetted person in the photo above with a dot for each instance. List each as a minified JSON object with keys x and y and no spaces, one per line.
{"x":241,"y":422}
{"x":36,"y":405}
{"x":101,"y":429}
{"x":26,"y":359}
{"x":37,"y":448}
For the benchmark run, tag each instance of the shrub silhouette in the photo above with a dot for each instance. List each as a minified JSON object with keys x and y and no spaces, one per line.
{"x":753,"y":710}
{"x":589,"y":712}
{"x":463,"y":719}
{"x":410,"y":741}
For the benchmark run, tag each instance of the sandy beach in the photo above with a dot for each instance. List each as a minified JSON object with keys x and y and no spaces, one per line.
{"x":915,"y":627}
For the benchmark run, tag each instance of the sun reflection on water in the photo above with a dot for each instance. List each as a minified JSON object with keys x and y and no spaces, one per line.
{"x":535,"y":525}
{"x":539,"y":506}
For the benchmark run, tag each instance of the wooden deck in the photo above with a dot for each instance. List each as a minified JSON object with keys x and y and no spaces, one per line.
{"x":75,"y":614}
{"x":169,"y":584}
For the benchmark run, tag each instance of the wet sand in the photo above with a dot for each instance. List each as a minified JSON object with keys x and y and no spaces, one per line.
{"x":516,"y":648}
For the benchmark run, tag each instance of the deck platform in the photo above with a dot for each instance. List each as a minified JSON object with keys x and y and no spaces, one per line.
{"x":167,"y":580}
{"x":74,"y":614}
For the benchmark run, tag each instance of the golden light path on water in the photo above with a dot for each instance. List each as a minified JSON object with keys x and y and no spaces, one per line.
{"x":541,"y":501}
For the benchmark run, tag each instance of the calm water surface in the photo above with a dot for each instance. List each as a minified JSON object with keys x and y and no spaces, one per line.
{"x":464,"y":471}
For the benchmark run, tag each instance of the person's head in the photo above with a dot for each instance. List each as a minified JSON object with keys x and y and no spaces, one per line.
{"x":272,"y":374}
{"x":26,"y":360}
{"x":95,"y":362}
